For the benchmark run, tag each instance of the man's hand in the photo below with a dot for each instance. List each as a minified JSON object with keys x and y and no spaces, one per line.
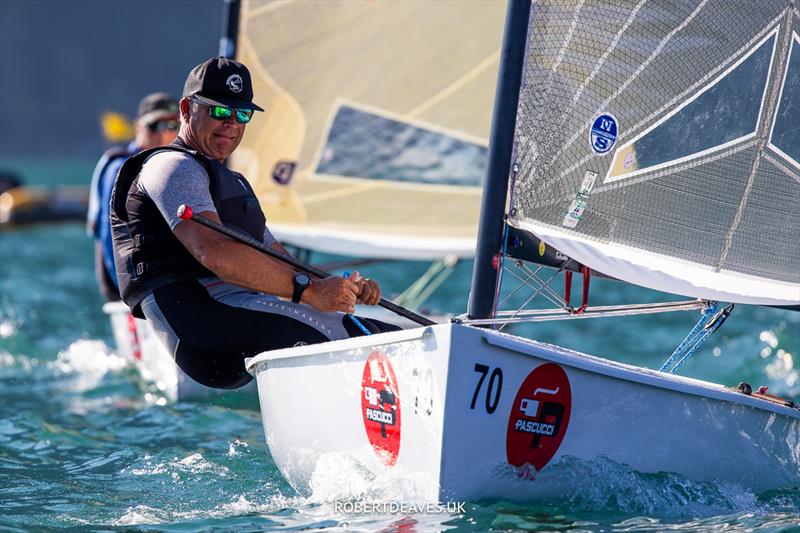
{"x":332,"y":294}
{"x":369,"y":292}
{"x":341,"y":294}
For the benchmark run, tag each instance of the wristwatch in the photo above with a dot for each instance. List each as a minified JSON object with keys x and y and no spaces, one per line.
{"x":301,"y":281}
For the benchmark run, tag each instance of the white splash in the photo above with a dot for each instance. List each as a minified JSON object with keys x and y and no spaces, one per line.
{"x":342,"y":476}
{"x":235,"y":447}
{"x":88,"y":361}
{"x":7,"y":328}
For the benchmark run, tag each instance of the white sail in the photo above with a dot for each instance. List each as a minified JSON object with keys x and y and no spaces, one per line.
{"x":371,"y":144}
{"x":660,"y":144}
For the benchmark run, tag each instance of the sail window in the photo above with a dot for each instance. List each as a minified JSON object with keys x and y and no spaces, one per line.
{"x":785,"y":137}
{"x":723,"y":112}
{"x":363,"y":144}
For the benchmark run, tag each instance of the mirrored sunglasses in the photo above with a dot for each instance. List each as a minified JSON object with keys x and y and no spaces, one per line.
{"x":164,"y":125}
{"x":219,"y":112}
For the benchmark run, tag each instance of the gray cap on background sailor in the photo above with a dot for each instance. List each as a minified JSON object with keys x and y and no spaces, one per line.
{"x":155,"y":107}
{"x":221,"y":81}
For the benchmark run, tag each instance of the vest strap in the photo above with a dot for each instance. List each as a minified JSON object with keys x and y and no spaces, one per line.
{"x":141,"y":239}
{"x":145,"y":267}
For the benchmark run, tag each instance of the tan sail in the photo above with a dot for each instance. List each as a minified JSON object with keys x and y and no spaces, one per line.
{"x":373,"y":142}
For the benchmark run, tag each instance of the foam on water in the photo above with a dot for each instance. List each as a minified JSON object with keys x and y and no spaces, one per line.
{"x":342,"y":477}
{"x":88,"y":361}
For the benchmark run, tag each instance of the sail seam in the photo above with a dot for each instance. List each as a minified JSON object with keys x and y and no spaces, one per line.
{"x":765,"y":129}
{"x":610,"y":48}
{"x":746,"y":143}
{"x":656,"y":52}
{"x":275,"y":4}
{"x":780,"y":164}
{"x":634,"y":130}
{"x":473,"y":73}
{"x":795,"y":41}
{"x":659,"y":172}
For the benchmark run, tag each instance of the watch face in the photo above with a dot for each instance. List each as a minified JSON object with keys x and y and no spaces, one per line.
{"x":302,"y":279}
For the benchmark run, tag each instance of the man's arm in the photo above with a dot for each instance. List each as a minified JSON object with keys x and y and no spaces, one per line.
{"x":171,"y":179}
{"x":241,"y":265}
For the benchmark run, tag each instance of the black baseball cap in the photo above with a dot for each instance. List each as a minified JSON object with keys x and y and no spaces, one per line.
{"x":221,"y":81}
{"x":156,"y":106}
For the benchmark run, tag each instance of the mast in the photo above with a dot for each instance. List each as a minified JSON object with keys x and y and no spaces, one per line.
{"x":230,"y":29}
{"x":495,"y":189}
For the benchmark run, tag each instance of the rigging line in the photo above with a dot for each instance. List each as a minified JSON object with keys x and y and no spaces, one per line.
{"x":542,"y":286}
{"x":529,"y":299}
{"x":413,"y":290}
{"x":473,"y":73}
{"x":765,"y":127}
{"x":501,"y":258}
{"x":686,"y":305}
{"x":710,"y":327}
{"x":419,"y":291}
{"x":555,"y":297}
{"x":435,"y":283}
{"x":523,"y":283}
{"x":590,"y":312}
{"x":691,"y":338}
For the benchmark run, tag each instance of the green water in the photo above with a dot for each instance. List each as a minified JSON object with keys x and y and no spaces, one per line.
{"x":85,"y":443}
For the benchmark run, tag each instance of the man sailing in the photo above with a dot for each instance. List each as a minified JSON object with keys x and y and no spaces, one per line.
{"x":212,"y":300}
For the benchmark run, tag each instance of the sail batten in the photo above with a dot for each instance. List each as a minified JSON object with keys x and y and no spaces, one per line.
{"x":687,"y":116}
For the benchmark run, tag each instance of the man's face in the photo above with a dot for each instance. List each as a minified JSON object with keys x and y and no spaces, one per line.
{"x":159,"y":133}
{"x":215,"y":138}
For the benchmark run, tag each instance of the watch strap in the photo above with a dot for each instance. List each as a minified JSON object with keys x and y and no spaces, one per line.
{"x":299,"y":289}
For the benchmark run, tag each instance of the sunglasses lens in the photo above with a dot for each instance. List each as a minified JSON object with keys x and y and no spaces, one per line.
{"x":243,"y":116}
{"x":219,"y":112}
{"x":167,"y":125}
{"x":164,"y":125}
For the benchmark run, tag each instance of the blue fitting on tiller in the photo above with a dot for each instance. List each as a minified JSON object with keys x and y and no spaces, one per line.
{"x":357,"y":322}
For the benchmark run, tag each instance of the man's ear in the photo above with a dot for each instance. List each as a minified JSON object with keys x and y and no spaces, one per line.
{"x":185,"y":105}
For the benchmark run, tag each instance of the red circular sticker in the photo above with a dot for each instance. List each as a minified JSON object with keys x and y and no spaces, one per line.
{"x":539,"y":419}
{"x":380,"y":407}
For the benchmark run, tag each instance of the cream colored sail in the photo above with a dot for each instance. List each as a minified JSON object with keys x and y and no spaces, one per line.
{"x":373,"y":142}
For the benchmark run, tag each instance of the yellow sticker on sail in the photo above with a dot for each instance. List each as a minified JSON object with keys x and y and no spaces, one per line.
{"x":541,"y":248}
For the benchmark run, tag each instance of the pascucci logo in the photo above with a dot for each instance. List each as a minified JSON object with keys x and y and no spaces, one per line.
{"x":234,"y":83}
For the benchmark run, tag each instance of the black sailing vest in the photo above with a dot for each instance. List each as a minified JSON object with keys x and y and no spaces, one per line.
{"x":147,"y":254}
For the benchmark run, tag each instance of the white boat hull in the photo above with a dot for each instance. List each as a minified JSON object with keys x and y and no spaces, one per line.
{"x":469,"y":404}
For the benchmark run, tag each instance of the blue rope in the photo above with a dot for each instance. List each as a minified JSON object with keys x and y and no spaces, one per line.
{"x":699,"y":333}
{"x":357,"y":322}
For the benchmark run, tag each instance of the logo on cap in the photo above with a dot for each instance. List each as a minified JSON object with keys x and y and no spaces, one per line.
{"x":234,"y":83}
